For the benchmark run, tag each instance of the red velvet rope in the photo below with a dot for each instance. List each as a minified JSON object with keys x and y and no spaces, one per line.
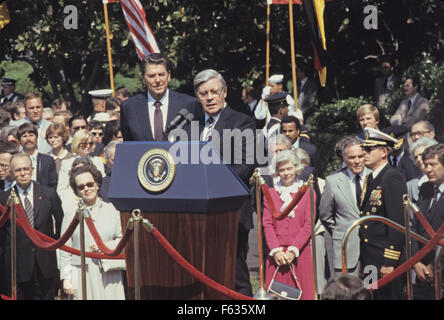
{"x":101,"y":244}
{"x":428,"y":228}
{"x":37,"y":237}
{"x":193,"y":271}
{"x":5,"y":215}
{"x":281,"y":215}
{"x":409,"y":263}
{"x":30,"y":231}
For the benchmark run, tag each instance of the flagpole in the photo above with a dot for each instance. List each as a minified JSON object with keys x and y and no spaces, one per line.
{"x":267,"y":54}
{"x":108,"y":43}
{"x":293,"y":60}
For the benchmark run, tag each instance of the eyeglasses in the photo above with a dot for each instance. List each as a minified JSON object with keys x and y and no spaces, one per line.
{"x":78,"y":128}
{"x":80,"y":187}
{"x":419,"y":133}
{"x":97,"y":134}
{"x":369,"y":148}
{"x":86,"y":144}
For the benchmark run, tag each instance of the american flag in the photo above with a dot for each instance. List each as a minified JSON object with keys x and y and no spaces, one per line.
{"x":141,"y":33}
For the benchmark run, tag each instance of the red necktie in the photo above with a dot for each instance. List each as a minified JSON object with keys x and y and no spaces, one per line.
{"x":158,"y":122}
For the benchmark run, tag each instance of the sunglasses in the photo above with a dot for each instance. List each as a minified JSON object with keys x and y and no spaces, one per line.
{"x":79,"y":128}
{"x":86,"y":144}
{"x":368,"y":148}
{"x":97,"y":134}
{"x":80,"y":187}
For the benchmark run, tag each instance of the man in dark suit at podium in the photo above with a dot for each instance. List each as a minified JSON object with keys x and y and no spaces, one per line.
{"x":211,"y":91}
{"x":145,"y":117}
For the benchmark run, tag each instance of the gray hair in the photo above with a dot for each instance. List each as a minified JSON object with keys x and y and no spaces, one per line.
{"x":111,"y":146}
{"x":429,"y":126}
{"x":289,"y":156}
{"x":349,"y":142}
{"x":303,"y":156}
{"x":207,"y":75}
{"x":19,"y":155}
{"x":280,"y":139}
{"x":423,"y":142}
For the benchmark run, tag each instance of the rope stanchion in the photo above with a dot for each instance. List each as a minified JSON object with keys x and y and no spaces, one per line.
{"x":408,"y":264}
{"x":5,"y":215}
{"x":48,"y":239}
{"x":297,"y":197}
{"x":98,"y":239}
{"x":188,"y":267}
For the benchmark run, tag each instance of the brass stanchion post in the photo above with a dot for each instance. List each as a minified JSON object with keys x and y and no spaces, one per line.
{"x":261,"y":294}
{"x":408,"y":252}
{"x":12,"y":201}
{"x":81,"y":214}
{"x":437,"y":267}
{"x":313,"y":236}
{"x":136,"y":219}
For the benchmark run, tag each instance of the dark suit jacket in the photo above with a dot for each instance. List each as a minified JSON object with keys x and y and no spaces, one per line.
{"x":380,"y":245}
{"x":47,"y":205}
{"x":434,"y":215}
{"x":134,"y":116}
{"x":231,"y":119}
{"x":46,"y":171}
{"x":418,"y":111}
{"x":315,"y":160}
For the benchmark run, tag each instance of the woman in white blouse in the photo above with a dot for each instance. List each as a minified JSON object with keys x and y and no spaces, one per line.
{"x":82,"y":145}
{"x":103,"y":276}
{"x":57,"y":135}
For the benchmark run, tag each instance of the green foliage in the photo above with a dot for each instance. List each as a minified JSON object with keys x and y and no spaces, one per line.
{"x":331,"y":122}
{"x":20,"y":71}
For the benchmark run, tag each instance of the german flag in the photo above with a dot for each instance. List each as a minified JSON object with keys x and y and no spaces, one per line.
{"x":4,"y":15}
{"x":314,"y":13}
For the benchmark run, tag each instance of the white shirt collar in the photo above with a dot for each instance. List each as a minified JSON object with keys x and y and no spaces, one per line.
{"x":64,"y":153}
{"x":252,"y":104}
{"x":378,"y":170}
{"x":413,"y":99}
{"x":29,"y":190}
{"x":163,"y":100}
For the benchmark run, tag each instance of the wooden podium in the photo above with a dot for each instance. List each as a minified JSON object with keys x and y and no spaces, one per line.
{"x":197,"y":213}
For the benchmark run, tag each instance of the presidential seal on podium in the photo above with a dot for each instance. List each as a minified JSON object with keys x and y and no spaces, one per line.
{"x":156,"y":170}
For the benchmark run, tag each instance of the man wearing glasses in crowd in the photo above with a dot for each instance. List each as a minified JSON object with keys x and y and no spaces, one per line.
{"x":422,"y":128}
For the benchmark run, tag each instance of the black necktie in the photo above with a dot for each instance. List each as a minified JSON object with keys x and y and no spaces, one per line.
{"x":394,"y":161}
{"x":385,"y":83}
{"x":28,"y":209}
{"x":158,"y":122}
{"x":435,"y":199}
{"x":358,"y":189}
{"x":409,"y":104}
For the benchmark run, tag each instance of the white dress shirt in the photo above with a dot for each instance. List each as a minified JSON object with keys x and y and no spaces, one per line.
{"x":206,"y":131}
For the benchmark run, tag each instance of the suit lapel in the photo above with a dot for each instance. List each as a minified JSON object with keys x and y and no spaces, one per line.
{"x":344,"y":187}
{"x":36,"y":199}
{"x":144,"y":117}
{"x":172,"y":109}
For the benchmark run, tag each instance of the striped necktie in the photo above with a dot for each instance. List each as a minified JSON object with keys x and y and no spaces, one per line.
{"x":28,"y":209}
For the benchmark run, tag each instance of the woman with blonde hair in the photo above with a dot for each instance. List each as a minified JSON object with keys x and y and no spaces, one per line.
{"x":82,"y":145}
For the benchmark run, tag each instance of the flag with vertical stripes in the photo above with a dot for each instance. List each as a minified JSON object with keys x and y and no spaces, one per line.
{"x":141,"y":33}
{"x":4,"y":15}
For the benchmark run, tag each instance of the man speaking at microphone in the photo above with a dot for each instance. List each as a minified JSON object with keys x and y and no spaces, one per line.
{"x":146,"y":117}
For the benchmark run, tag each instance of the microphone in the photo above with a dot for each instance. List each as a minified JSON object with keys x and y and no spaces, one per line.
{"x":188,"y":118}
{"x":173,"y":124}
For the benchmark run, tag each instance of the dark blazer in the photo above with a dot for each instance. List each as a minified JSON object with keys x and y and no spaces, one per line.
{"x":46,"y":171}
{"x":47,"y":205}
{"x":434,"y":215}
{"x":315,"y":160}
{"x":231,"y":119}
{"x":134,"y":116}
{"x":407,"y":167}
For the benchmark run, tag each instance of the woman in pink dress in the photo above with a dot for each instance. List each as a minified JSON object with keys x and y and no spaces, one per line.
{"x":289,"y":238}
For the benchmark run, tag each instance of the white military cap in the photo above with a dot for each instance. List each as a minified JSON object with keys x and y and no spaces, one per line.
{"x":101,"y":94}
{"x":276,"y":78}
{"x":375,"y":138}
